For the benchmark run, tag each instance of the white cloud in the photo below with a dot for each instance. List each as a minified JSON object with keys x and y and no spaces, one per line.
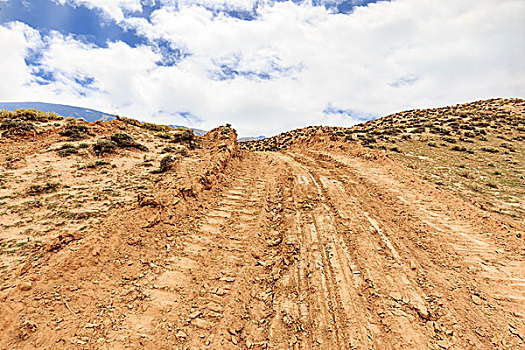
{"x":236,"y":5}
{"x":289,"y":64}
{"x":115,"y":9}
{"x":16,"y":42}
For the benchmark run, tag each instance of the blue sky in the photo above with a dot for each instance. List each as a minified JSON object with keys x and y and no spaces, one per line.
{"x":86,"y":24}
{"x":264,"y":65}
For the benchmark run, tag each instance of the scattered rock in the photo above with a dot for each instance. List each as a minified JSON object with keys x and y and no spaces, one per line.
{"x":25,"y":286}
{"x":235,"y":327}
{"x":181,"y":335}
{"x":195,"y":314}
{"x":200,"y":323}
{"x":221,"y":291}
{"x":476,"y":300}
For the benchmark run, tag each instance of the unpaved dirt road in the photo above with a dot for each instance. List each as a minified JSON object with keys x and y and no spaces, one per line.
{"x":386,"y":261}
{"x":313,"y":248}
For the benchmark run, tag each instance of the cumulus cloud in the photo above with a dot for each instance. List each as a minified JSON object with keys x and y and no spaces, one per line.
{"x":292,"y":65}
{"x":17,"y":41}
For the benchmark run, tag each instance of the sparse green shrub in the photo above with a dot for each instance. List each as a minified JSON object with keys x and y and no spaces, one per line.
{"x":182,"y":151}
{"x":67,"y":150}
{"x":123,"y":140}
{"x":29,"y":115}
{"x":97,"y":164}
{"x":392,"y":131}
{"x":183,"y":135}
{"x":130,"y":121}
{"x":163,"y":135}
{"x":104,"y":146}
{"x":508,"y":146}
{"x":489,"y":149}
{"x":83,"y":145}
{"x":366,"y":139}
{"x":418,"y":130}
{"x":155,"y":127}
{"x":16,"y":127}
{"x":450,"y":139}
{"x":6,"y":114}
{"x":75,"y":131}
{"x":459,"y":148}
{"x":225,"y":130}
{"x":440,"y":130}
{"x":39,"y":189}
{"x":432,"y":144}
{"x":166,"y":164}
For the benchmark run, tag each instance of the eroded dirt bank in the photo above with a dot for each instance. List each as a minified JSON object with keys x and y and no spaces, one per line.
{"x":321,"y":246}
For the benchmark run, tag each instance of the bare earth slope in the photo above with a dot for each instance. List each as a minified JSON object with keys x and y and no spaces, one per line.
{"x":323,"y":245}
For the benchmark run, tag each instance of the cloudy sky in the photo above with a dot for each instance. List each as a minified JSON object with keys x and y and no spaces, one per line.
{"x":263,"y":65}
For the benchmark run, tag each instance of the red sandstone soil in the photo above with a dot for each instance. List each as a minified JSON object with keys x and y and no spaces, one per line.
{"x":322,"y":246}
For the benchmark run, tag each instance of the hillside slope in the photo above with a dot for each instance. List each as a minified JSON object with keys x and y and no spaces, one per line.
{"x":476,"y":149}
{"x":165,"y":240}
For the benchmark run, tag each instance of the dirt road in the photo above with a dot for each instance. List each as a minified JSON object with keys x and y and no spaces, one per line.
{"x":387,"y":261}
{"x":313,"y":248}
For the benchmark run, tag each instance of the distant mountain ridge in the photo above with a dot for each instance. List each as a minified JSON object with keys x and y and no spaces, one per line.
{"x":87,"y":114}
{"x":252,"y":138}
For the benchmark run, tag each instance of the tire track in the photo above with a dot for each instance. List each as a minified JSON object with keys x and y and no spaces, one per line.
{"x":443,"y":278}
{"x":229,"y":263}
{"x":336,"y":272}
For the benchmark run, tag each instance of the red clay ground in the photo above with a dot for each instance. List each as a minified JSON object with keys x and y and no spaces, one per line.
{"x":325,"y":245}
